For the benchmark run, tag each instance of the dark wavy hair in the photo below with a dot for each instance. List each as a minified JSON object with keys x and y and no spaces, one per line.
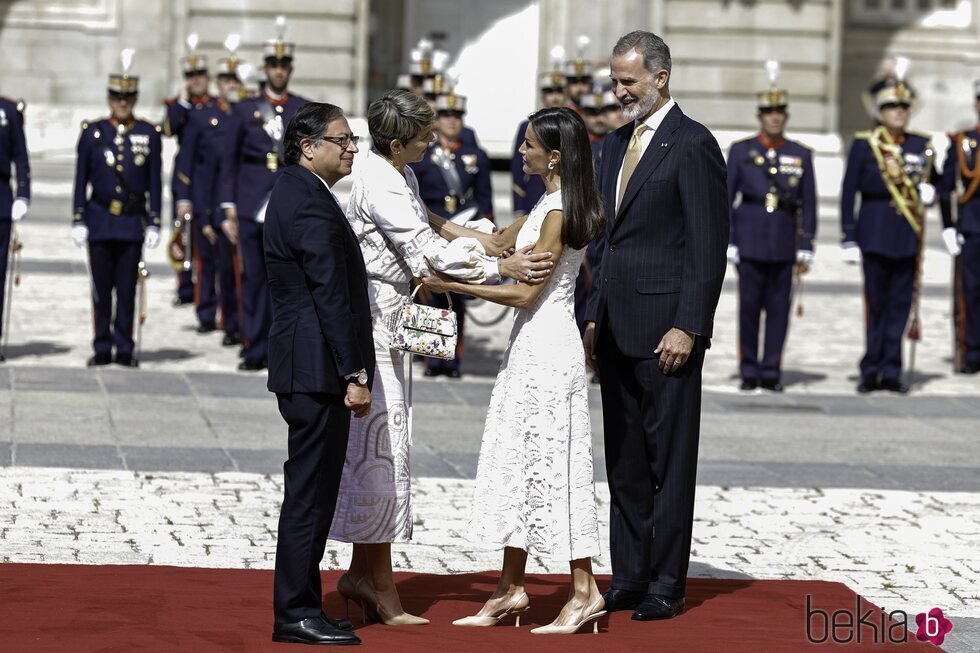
{"x":309,"y":122}
{"x":561,"y":129}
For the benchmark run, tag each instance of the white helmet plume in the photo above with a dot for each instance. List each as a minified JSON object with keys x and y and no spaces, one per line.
{"x":772,"y":72}
{"x":232,"y":41}
{"x":192,"y":41}
{"x":126,"y":57}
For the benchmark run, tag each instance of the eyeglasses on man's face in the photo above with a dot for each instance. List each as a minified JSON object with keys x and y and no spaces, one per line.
{"x":343,"y":140}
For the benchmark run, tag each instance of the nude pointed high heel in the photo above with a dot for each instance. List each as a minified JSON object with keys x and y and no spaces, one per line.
{"x":569,"y":629}
{"x":493,"y":619}
{"x":372,"y":607}
{"x":347,"y":587}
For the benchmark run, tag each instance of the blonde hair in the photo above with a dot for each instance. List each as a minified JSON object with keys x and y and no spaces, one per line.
{"x":397,"y":115}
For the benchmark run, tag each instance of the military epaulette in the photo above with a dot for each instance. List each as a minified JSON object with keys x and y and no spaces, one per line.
{"x":805,"y":146}
{"x":744,"y":140}
{"x":863,"y":136}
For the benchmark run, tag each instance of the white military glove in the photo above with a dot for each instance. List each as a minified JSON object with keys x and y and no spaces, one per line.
{"x":952,"y":241}
{"x":79,"y":234}
{"x":851,"y":253}
{"x":152,"y":237}
{"x":19,"y":209}
{"x":927,"y":193}
{"x":804,"y":258}
{"x":732,"y":254}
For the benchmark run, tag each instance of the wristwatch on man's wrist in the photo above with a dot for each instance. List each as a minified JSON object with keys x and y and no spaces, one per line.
{"x":360,"y":378}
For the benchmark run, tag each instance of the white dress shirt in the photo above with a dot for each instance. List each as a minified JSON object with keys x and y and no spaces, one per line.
{"x":653,"y":123}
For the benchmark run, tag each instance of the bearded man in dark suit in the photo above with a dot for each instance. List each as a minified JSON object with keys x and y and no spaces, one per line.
{"x":649,"y":321}
{"x":321,"y":357}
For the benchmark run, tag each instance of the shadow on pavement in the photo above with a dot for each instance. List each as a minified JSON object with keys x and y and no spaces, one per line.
{"x":166,"y":355}
{"x":794,"y":377}
{"x":35,"y":348}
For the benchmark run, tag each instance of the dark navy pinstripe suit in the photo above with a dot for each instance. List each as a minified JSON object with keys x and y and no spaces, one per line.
{"x":662,"y":263}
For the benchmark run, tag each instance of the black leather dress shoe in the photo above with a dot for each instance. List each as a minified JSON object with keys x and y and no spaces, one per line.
{"x":315,"y":630}
{"x":126,"y":360}
{"x":867,"y":384}
{"x":431,"y":372}
{"x":655,"y":606}
{"x":966,"y":369}
{"x":98,"y":360}
{"x":748,"y":384}
{"x":453,"y":374}
{"x":182,"y":302}
{"x":621,"y":599}
{"x":772,"y":386}
{"x":2,"y":357}
{"x":253,"y":364}
{"x":339,"y":624}
{"x":231,"y":339}
{"x":206,"y":327}
{"x":894,"y":385}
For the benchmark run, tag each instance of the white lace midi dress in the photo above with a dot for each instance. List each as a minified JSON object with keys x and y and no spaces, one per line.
{"x":534,"y":485}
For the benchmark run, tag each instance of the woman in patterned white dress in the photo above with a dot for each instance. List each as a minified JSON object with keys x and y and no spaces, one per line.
{"x":535,"y":488}
{"x":397,"y":235}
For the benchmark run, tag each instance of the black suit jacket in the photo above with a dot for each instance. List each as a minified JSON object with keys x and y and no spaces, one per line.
{"x":662,"y":257}
{"x":321,"y":316}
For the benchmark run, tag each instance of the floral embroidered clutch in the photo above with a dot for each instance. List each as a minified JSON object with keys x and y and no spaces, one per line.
{"x":424,"y":330}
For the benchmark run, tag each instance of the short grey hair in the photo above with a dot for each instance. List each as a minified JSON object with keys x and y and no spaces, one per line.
{"x":397,"y":115}
{"x":656,"y":54}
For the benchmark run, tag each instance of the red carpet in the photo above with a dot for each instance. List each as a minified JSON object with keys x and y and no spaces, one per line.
{"x":138,"y":608}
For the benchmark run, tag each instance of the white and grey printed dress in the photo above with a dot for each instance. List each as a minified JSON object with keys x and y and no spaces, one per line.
{"x":534,"y":483}
{"x":392,"y":227}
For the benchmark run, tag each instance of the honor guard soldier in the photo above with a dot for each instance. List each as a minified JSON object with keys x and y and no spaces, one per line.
{"x":527,"y":189}
{"x":960,"y":187}
{"x":117,"y":172}
{"x":771,"y":232}
{"x":196,"y":194}
{"x":13,"y":205}
{"x":454,"y":182}
{"x":440,"y":84}
{"x":178,"y":110}
{"x":252,"y":162}
{"x":578,"y":75}
{"x":891,"y":168}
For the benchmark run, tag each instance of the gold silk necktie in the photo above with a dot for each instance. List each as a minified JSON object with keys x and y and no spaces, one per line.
{"x":630,"y":160}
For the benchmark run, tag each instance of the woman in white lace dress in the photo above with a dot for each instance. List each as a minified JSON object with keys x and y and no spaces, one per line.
{"x":397,"y":236}
{"x":535,"y":488}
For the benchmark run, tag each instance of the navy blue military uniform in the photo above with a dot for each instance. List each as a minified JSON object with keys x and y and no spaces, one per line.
{"x":473,"y":167}
{"x":196,"y":181}
{"x":889,"y":248}
{"x":776,"y":218}
{"x":526,"y":189}
{"x":13,"y":152}
{"x":177,"y":115}
{"x":117,"y":171}
{"x":250,"y":166}
{"x":963,"y":166}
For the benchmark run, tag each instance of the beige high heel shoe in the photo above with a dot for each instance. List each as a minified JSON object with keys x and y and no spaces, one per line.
{"x":347,"y":587}
{"x":371,"y":607}
{"x":522,"y":604}
{"x":592,"y":616}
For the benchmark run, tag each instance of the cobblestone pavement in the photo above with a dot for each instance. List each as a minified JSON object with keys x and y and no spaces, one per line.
{"x":901,"y":550}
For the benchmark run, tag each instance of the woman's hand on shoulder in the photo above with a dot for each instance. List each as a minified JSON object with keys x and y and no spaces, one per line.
{"x":436,"y":281}
{"x":525,"y":266}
